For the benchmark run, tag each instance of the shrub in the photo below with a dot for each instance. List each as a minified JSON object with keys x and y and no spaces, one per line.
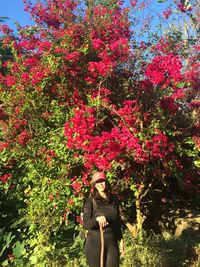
{"x":150,"y":249}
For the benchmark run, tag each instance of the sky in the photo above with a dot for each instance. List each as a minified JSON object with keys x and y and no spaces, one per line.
{"x":14,"y":9}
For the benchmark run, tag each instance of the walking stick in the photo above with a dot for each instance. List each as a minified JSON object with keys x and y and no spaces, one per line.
{"x":102,"y":247}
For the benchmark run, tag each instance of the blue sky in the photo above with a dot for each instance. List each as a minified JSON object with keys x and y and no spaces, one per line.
{"x":14,"y":9}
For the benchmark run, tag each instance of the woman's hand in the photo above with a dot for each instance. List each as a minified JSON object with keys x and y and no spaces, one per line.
{"x":102,"y":221}
{"x":122,"y":247}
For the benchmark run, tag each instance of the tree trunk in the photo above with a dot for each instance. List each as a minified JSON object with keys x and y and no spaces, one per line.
{"x":136,"y":227}
{"x":140,"y":218}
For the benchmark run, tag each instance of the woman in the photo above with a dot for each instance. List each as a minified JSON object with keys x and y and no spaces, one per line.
{"x":101,"y":210}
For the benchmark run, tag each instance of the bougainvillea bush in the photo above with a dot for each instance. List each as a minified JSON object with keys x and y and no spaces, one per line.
{"x":79,"y":93}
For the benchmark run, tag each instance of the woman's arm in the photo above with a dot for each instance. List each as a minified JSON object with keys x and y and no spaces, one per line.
{"x":89,"y":220}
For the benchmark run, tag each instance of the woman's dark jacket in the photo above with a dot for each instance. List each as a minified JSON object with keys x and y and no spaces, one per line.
{"x":109,"y":209}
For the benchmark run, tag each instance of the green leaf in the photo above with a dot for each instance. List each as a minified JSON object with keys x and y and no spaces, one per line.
{"x":197,"y":163}
{"x":18,"y":222}
{"x":5,"y":263}
{"x":18,"y":249}
{"x":32,"y":227}
{"x":33,"y":259}
{"x":7,"y":238}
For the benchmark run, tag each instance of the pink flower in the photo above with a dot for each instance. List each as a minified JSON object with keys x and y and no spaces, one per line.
{"x":162,"y":67}
{"x":76,"y":185}
{"x":178,"y":94}
{"x":10,"y":80}
{"x":4,"y":178}
{"x":25,"y":77}
{"x":3,"y":146}
{"x":2,"y":78}
{"x":167,"y":12}
{"x":51,"y":153}
{"x":37,"y":76}
{"x":23,"y":137}
{"x":101,"y":68}
{"x":30,"y":62}
{"x":70,"y":202}
{"x":74,"y":56}
{"x":194,"y":104}
{"x":184,"y":7}
{"x":167,"y":103}
{"x":51,"y":198}
{"x":79,"y":219}
{"x":133,"y":3}
{"x":5,"y":29}
{"x":43,"y":46}
{"x":97,"y":43}
{"x":181,"y":7}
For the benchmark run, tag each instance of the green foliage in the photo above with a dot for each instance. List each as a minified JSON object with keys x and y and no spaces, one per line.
{"x":18,"y":249}
{"x":154,"y":250}
{"x":38,"y":204}
{"x":75,"y":255}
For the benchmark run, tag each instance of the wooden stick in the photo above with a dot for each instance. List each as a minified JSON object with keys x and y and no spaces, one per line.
{"x":102,"y":247}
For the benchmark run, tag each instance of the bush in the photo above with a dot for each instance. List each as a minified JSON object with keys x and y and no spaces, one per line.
{"x":149,"y":249}
{"x":155,"y":250}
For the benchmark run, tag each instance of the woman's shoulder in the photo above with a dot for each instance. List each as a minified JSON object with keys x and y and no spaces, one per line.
{"x":89,"y":200}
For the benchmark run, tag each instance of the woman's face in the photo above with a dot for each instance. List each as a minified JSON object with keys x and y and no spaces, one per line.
{"x":100,"y":186}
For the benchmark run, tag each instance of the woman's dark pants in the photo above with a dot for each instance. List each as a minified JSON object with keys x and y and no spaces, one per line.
{"x":93,"y":250}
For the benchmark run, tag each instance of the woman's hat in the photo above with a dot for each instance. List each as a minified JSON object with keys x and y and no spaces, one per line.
{"x":97,"y":176}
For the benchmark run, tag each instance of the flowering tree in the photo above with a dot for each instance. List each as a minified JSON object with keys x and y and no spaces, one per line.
{"x":80,"y":94}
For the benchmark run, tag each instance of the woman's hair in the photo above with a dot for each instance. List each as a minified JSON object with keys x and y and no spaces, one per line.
{"x":97,"y":197}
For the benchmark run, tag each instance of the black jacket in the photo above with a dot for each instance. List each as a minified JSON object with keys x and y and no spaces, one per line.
{"x":92,"y":210}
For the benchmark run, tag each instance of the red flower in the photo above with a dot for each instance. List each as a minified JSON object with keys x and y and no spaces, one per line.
{"x":98,"y":43}
{"x":37,"y":76}
{"x":2,"y":78}
{"x":101,"y":68}
{"x":74,"y":56}
{"x":181,"y":7}
{"x":10,"y":80}
{"x":5,"y":29}
{"x":70,"y":202}
{"x":167,"y":12}
{"x":51,"y":198}
{"x":25,"y":77}
{"x":30,"y":62}
{"x":24,"y":137}
{"x":79,"y":219}
{"x":162,"y":67}
{"x":4,"y":178}
{"x":45,"y":46}
{"x":178,"y":94}
{"x":76,"y":186}
{"x":133,"y":3}
{"x":167,"y":103}
{"x":51,"y":153}
{"x":3,"y":146}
